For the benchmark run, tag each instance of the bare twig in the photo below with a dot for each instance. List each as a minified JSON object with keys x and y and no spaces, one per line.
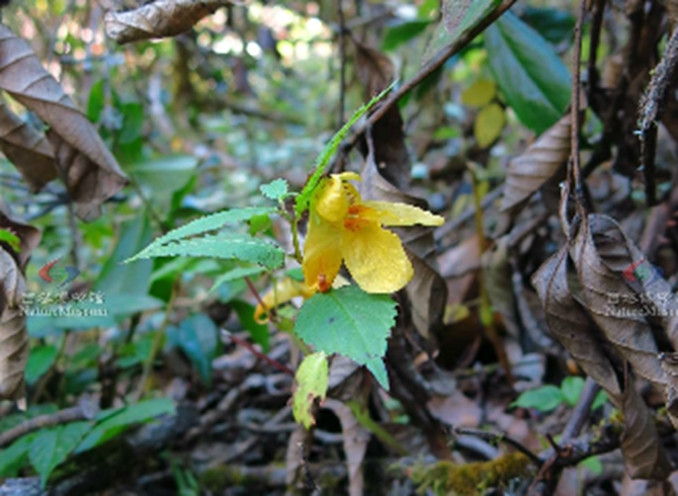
{"x":83,"y":411}
{"x":228,"y":336}
{"x":581,"y":410}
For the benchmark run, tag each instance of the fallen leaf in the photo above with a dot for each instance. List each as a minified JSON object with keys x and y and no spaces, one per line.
{"x":89,"y":170}
{"x":158,"y":19}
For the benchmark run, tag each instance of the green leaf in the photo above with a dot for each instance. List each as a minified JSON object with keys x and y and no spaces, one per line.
{"x":544,"y":399}
{"x":259,"y":332}
{"x":11,"y":239}
{"x":40,"y":360}
{"x":275,"y":190}
{"x":200,"y":226}
{"x":96,"y":101}
{"x":402,"y":33}
{"x":600,"y":399}
{"x":594,"y":464}
{"x":312,"y":379}
{"x":571,"y":389}
{"x":459,"y":16}
{"x":326,"y":154}
{"x":237,"y":273}
{"x":350,"y":322}
{"x":197,"y":336}
{"x":164,"y":175}
{"x":555,"y":25}
{"x":50,"y":447}
{"x":14,"y":457}
{"x":223,"y":245}
{"x":112,"y":423}
{"x":128,"y":280}
{"x":535,"y":82}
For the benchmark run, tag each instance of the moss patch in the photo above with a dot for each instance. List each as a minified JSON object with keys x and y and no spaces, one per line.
{"x":471,"y":479}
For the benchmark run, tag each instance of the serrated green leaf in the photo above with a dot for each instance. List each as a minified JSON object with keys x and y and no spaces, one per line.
{"x":40,"y":360}
{"x":312,"y":379}
{"x":237,"y":273}
{"x":274,"y":190}
{"x":544,"y":399}
{"x":200,"y":226}
{"x":571,"y":389}
{"x":535,"y":82}
{"x":223,"y":245}
{"x":113,"y":422}
{"x":197,"y":336}
{"x":329,"y":149}
{"x":350,"y":322}
{"x":50,"y":447}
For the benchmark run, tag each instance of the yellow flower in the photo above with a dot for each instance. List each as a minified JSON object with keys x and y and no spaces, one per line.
{"x":342,"y":227}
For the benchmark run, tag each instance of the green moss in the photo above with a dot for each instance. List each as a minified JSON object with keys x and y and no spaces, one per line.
{"x":471,"y":479}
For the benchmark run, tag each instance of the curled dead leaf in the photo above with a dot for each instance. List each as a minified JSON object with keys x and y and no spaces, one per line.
{"x":13,"y":334}
{"x":557,"y":285}
{"x":81,"y":156}
{"x":29,"y":236}
{"x":542,"y":159}
{"x":27,"y":149}
{"x":158,"y":19}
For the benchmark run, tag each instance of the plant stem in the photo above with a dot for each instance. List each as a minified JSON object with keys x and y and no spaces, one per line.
{"x":157,"y":343}
{"x":364,"y":419}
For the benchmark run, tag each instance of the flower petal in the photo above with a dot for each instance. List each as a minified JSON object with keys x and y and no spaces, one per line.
{"x":401,"y":214}
{"x":285,"y":290}
{"x":322,"y":253}
{"x":334,"y":196}
{"x":376,"y":259}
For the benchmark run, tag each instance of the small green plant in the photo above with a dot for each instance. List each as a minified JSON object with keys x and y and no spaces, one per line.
{"x":549,"y":397}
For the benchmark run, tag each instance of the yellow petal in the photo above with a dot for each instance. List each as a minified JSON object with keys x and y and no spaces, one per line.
{"x":376,"y":259}
{"x":401,"y":214}
{"x":322,"y":253}
{"x":284,"y":291}
{"x":335,"y":196}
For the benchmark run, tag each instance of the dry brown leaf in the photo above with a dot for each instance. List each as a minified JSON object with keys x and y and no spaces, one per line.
{"x":29,"y":236}
{"x":13,"y":334}
{"x":542,"y":159}
{"x":605,"y":261}
{"x":27,"y":149}
{"x":158,"y":19}
{"x":555,"y":282}
{"x":427,"y":291}
{"x":82,"y":157}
